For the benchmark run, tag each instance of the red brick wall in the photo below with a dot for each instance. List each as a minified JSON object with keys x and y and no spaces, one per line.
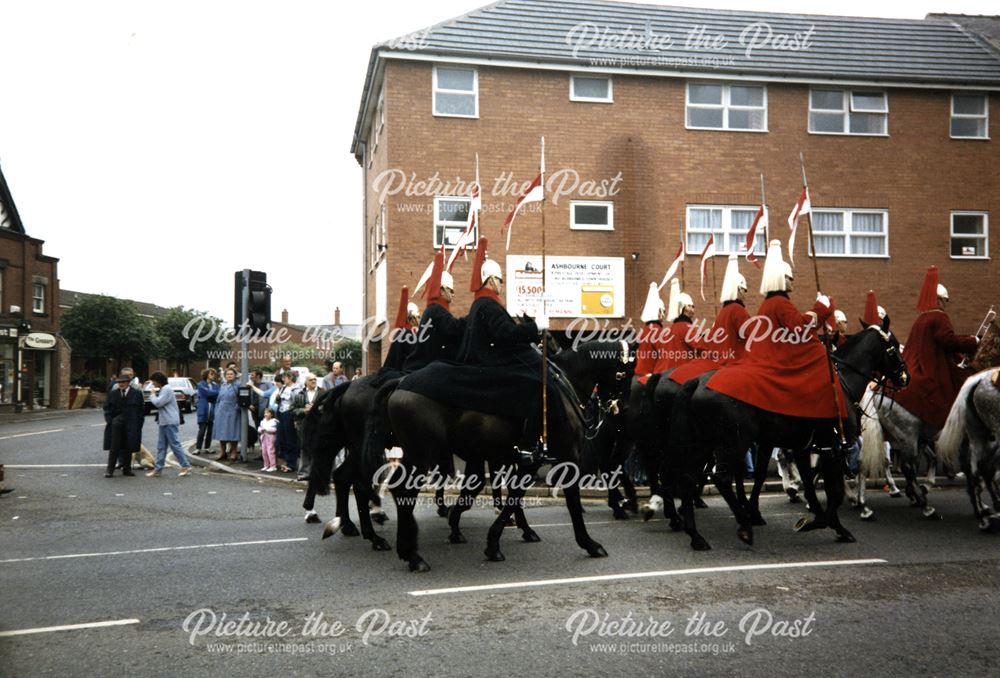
{"x":917,"y":173}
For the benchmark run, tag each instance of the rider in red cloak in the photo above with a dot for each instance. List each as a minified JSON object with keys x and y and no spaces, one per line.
{"x":725,"y":342}
{"x":931,"y":356}
{"x":653,"y":338}
{"x":786,"y":369}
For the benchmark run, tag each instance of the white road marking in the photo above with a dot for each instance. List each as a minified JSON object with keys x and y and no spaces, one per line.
{"x":212,"y":492}
{"x":119,"y":494}
{"x":646,"y":575}
{"x":56,"y":466}
{"x":602,"y":522}
{"x":168,"y":494}
{"x":72,"y":496}
{"x":96,"y":425}
{"x":68,"y":627}
{"x":255,"y":491}
{"x":157,"y":550}
{"x":33,"y":433}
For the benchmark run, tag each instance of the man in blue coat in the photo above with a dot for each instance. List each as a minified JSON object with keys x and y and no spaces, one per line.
{"x":124,"y":413}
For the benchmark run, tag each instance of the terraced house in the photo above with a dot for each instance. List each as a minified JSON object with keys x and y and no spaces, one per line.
{"x":658,"y":124}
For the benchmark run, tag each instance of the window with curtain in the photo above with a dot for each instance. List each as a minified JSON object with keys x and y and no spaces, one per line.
{"x":592,"y":89}
{"x":456,"y":92}
{"x":728,"y":224}
{"x":726,"y":107}
{"x":851,"y":233}
{"x":835,"y":111}
{"x":970,"y":116}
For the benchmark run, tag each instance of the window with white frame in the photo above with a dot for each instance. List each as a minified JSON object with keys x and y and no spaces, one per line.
{"x":837,"y":111}
{"x":451,"y":217}
{"x":378,"y":122}
{"x":727,"y":107}
{"x":591,"y":215}
{"x":851,"y":232}
{"x":38,"y":298}
{"x":970,"y":116}
{"x":589,"y":88}
{"x":456,"y":92}
{"x":970,"y":235}
{"x":728,"y":224}
{"x":377,"y":237}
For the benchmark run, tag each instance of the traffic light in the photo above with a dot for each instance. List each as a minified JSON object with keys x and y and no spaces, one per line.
{"x":258,"y":312}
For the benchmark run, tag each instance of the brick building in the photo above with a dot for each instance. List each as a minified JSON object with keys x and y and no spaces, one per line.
{"x":658,"y":123}
{"x":34,"y":358}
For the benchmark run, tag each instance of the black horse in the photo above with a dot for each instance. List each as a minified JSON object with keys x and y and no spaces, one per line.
{"x":424,"y":427}
{"x":335,"y":422}
{"x":707,"y":425}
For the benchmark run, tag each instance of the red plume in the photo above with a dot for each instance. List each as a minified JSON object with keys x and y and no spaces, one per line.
{"x":928,"y":293}
{"x":401,"y":314}
{"x":432,"y":290}
{"x":477,"y":266}
{"x":871,"y":310}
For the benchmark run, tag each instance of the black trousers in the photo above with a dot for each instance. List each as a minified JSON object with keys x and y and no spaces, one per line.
{"x":119,"y":445}
{"x":204,"y":436}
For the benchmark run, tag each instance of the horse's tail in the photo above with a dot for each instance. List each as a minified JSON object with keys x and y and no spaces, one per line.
{"x":949,"y":441}
{"x":323,"y":436}
{"x":378,"y":430}
{"x":872,"y":437}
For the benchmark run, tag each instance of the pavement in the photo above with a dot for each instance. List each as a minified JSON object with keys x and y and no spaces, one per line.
{"x":218,"y":573}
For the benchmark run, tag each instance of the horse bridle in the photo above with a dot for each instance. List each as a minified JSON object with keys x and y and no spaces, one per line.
{"x":882,"y":383}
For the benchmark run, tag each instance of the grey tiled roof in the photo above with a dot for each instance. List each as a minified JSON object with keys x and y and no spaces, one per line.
{"x":888,"y":51}
{"x":841,"y":47}
{"x":987,"y":27}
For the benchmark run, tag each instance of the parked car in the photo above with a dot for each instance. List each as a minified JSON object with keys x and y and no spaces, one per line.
{"x":185,"y":392}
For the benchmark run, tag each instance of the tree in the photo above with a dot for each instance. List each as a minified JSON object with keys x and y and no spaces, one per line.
{"x":174,"y":331}
{"x":105,"y":327}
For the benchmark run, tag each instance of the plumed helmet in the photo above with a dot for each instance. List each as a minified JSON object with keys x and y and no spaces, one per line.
{"x":776,"y":270}
{"x":733,"y":281}
{"x":683,"y":299}
{"x":871,"y":316}
{"x":675,"y":291}
{"x":654,"y":305}
{"x":839,"y":316}
{"x":929,"y":292}
{"x":447,"y":280}
{"x":942,"y":292}
{"x":881,"y":313}
{"x":412,"y":309}
{"x":490,"y":269}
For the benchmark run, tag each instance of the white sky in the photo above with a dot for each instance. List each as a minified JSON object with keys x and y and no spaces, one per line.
{"x":198,"y":138}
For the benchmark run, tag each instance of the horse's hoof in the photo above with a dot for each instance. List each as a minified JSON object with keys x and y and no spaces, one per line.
{"x":631,"y":506}
{"x":984,"y":524}
{"x":380,"y":544}
{"x":350,"y":530}
{"x":619,"y":514}
{"x":895,"y":494}
{"x":379,"y":517}
{"x":746,"y":535}
{"x":700,"y":503}
{"x":457,"y":538}
{"x":700,"y":544}
{"x":312,"y":518}
{"x":647,"y":514}
{"x":924,"y":488}
{"x":758,"y":521}
{"x":331,"y":528}
{"x":931,"y":513}
{"x":419,"y":565}
{"x":802,"y":523}
{"x":494,"y":555}
{"x":442,"y":511}
{"x":597,"y":551}
{"x":846,"y":538}
{"x":867,"y":514}
{"x":676,"y":525}
{"x":530,"y":536}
